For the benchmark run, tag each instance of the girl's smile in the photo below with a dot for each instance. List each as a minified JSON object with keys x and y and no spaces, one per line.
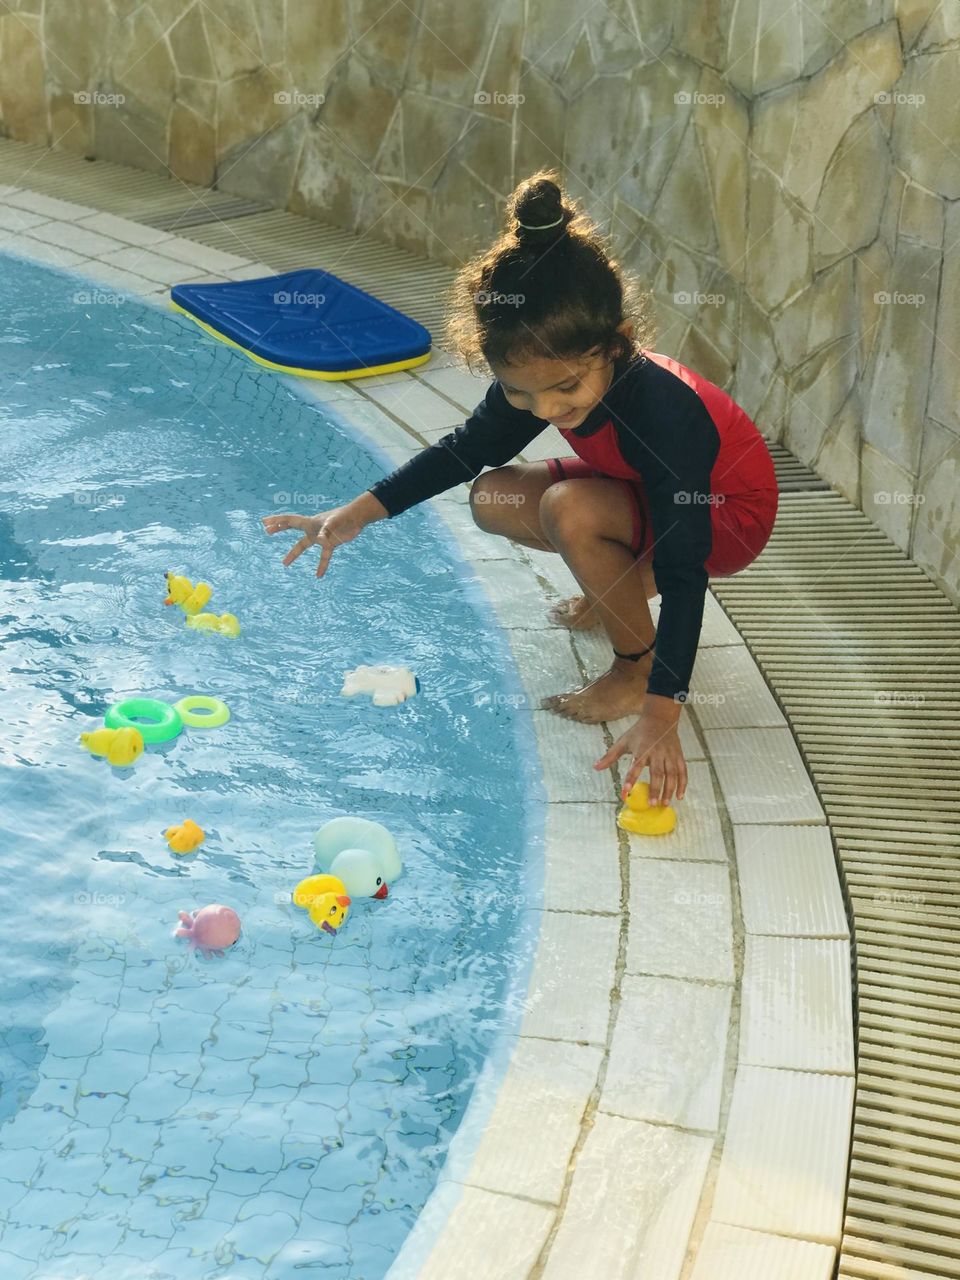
{"x":567,"y":418}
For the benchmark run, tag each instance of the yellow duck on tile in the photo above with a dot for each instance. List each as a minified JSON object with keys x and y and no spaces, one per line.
{"x":190,"y":598}
{"x":642,"y":818}
{"x":185,"y":838}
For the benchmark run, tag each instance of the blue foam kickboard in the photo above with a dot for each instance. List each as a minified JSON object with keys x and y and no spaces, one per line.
{"x":306,"y":319}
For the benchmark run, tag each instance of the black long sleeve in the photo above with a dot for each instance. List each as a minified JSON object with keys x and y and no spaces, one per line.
{"x":492,"y":436}
{"x":675,"y":451}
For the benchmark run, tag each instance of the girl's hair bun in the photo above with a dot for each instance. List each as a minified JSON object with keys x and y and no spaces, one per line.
{"x":539,"y":214}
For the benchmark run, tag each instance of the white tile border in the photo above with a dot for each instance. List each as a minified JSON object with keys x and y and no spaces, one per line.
{"x":555,"y":1073}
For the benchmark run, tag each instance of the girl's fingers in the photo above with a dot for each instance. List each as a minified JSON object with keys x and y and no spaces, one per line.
{"x":285,"y":520}
{"x":615,"y":752}
{"x":633,"y":774}
{"x":682,"y":780}
{"x":297,"y":549}
{"x":325,"y":554}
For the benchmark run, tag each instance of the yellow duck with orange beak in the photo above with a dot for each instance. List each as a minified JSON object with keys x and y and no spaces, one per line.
{"x":325,"y":898}
{"x":642,"y":818}
{"x":190,"y":598}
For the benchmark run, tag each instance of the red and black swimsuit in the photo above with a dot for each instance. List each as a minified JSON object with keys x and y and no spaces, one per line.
{"x":699,"y":471}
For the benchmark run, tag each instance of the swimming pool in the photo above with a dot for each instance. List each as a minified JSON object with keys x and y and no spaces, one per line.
{"x":286,"y":1110}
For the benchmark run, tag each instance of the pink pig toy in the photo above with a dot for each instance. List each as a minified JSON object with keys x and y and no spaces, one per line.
{"x":210,"y":929}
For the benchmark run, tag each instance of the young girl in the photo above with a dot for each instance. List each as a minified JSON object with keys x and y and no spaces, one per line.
{"x":671,"y":482}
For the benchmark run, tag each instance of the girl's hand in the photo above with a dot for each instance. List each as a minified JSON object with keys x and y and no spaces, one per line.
{"x":655,"y":741}
{"x":328,"y":530}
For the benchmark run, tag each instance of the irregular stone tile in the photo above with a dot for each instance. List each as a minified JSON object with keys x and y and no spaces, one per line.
{"x":723,"y":129}
{"x":779,"y":242}
{"x":632,"y":1203}
{"x":936,"y":542}
{"x":668,"y":1052}
{"x":573,"y":975}
{"x":762,"y":777}
{"x":899,"y":385}
{"x":819,"y":388}
{"x":690,"y":220}
{"x":680,"y":924}
{"x":732,"y":1253}
{"x":784,"y":1163}
{"x":922,"y":133}
{"x":944,"y":404}
{"x":887,"y":494}
{"x":796,"y":1004}
{"x":851,"y":199}
{"x":921,"y":216}
{"x":788,"y":882}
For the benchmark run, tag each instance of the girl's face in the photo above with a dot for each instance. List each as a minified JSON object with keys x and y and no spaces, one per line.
{"x":561,"y":391}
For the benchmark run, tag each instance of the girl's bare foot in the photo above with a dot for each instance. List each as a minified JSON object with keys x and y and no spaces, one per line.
{"x":576,"y":613}
{"x":617,"y":693}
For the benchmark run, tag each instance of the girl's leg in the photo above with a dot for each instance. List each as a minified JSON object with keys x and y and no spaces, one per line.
{"x":506,"y":501}
{"x":590,"y":522}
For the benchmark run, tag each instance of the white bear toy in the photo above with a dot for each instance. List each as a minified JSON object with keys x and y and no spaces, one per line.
{"x":388,"y":685}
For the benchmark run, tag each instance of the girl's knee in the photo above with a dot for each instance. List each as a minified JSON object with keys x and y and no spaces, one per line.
{"x":486,"y":493}
{"x":563,"y":512}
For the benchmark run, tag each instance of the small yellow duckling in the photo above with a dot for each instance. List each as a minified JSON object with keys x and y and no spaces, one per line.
{"x":325,"y":897}
{"x":185,"y":838}
{"x":226,"y":624}
{"x":120,"y":746}
{"x":190,"y":598}
{"x":643,"y":819}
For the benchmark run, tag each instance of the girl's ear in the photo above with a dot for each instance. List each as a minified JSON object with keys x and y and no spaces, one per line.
{"x":627,"y":328}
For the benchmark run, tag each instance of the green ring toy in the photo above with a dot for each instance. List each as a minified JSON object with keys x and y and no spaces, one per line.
{"x":155,"y":721}
{"x":200,"y":712}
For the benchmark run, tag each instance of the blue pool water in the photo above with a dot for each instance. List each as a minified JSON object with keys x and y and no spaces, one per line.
{"x":283,"y":1111}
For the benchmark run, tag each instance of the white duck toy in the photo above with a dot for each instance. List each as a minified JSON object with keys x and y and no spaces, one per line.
{"x":361,"y":853}
{"x":387,"y":685}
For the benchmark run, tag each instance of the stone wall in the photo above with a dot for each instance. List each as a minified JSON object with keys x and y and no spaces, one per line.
{"x":783,"y":174}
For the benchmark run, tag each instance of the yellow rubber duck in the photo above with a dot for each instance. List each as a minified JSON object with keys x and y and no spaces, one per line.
{"x":190,"y":598}
{"x":326,"y":899}
{"x":120,"y":746}
{"x":185,"y":838}
{"x":641,"y":817}
{"x":226,"y":624}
